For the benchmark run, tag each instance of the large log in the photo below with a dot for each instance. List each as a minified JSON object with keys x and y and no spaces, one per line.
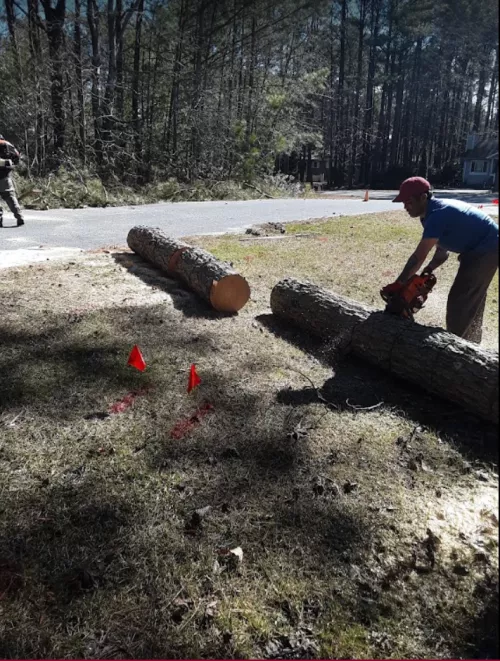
{"x":440,"y":362}
{"x":216,"y":282}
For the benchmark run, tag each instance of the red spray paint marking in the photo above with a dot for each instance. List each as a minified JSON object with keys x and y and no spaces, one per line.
{"x":183,"y":427}
{"x":126,"y":402}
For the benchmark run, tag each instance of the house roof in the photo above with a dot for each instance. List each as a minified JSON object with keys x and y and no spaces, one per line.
{"x":483,"y":149}
{"x":492,"y":155}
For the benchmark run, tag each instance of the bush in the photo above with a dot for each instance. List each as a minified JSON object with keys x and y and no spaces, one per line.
{"x":76,"y":190}
{"x":446,"y":177}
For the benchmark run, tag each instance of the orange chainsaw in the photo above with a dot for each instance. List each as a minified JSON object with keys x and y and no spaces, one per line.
{"x":411,"y":297}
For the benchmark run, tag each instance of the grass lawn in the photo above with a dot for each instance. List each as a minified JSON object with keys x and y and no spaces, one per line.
{"x":358,"y":534}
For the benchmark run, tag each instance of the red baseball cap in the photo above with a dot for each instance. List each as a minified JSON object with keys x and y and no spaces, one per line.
{"x":411,"y":187}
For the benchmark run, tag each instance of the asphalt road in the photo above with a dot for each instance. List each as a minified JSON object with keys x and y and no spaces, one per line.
{"x":95,"y":228}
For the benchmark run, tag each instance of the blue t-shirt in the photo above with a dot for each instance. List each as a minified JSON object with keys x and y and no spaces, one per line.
{"x":459,"y":227}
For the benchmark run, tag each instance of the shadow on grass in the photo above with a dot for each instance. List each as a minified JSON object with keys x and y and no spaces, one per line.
{"x":95,"y":556}
{"x":70,"y":369}
{"x":183,"y":299}
{"x":60,"y":545}
{"x":484,"y":642}
{"x":57,"y":370}
{"x":360,"y":388}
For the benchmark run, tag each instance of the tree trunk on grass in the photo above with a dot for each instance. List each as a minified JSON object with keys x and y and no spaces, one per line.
{"x":216,"y":282}
{"x":439,"y":362}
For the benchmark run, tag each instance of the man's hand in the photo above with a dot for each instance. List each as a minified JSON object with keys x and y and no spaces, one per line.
{"x":440,"y":257}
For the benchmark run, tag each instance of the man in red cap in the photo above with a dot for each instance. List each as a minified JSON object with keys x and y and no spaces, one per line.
{"x":452,"y":226}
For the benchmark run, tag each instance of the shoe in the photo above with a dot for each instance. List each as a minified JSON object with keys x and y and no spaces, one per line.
{"x":20,"y":222}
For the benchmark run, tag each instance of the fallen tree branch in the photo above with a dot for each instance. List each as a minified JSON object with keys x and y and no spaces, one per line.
{"x":270,"y":197}
{"x":320,"y":397}
{"x":280,"y":236}
{"x":363,"y":408}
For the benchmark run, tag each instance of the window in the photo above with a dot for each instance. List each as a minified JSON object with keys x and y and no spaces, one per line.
{"x":479,"y":167}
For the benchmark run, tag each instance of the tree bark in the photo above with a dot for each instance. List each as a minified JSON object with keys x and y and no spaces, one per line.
{"x":478,"y":110}
{"x":492,"y":92}
{"x":431,"y":358}
{"x":135,"y":83}
{"x":216,"y":282}
{"x":366,"y":170}
{"x":79,"y":82}
{"x":396,"y":130}
{"x":93,"y":23}
{"x":340,"y":125}
{"x":54,"y":21}
{"x":352,"y":173}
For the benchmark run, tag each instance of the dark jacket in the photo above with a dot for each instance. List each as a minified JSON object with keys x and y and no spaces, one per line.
{"x":8,"y":151}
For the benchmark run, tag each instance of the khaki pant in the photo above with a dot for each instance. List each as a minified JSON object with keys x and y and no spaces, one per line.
{"x":467,"y":297}
{"x":8,"y":195}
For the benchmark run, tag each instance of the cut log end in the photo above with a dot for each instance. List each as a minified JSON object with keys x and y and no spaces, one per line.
{"x":229,"y":294}
{"x":214,"y":281}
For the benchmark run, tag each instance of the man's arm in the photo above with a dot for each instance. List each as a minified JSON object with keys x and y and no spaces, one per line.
{"x":439,"y":258}
{"x":417,"y":259}
{"x":13,"y":154}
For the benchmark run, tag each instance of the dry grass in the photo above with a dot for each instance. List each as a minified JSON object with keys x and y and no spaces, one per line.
{"x":100,"y":556}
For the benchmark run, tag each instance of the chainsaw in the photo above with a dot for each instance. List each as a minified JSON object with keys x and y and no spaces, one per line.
{"x":411,"y":297}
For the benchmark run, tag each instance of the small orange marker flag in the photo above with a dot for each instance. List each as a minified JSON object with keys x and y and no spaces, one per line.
{"x":136,"y":360}
{"x":367,"y":197}
{"x":480,"y":206}
{"x":194,"y":379}
{"x":494,"y":201}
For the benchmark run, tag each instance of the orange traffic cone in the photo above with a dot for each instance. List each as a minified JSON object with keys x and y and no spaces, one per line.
{"x":194,"y":379}
{"x":367,"y":196}
{"x":136,"y":360}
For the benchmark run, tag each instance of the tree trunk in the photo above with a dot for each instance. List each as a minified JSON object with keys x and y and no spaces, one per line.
{"x":135,"y":84}
{"x":250,"y":100}
{"x":173,"y":112}
{"x":396,"y":130}
{"x":352,"y":174}
{"x":120,"y":95}
{"x":340,"y":126}
{"x":388,"y":114}
{"x":54,"y":20}
{"x":110,"y":90}
{"x":478,"y":111}
{"x":95,"y":95}
{"x":378,"y":160}
{"x":216,"y":282}
{"x":366,"y":170}
{"x":492,"y":92}
{"x":431,"y":358}
{"x":79,"y":82}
